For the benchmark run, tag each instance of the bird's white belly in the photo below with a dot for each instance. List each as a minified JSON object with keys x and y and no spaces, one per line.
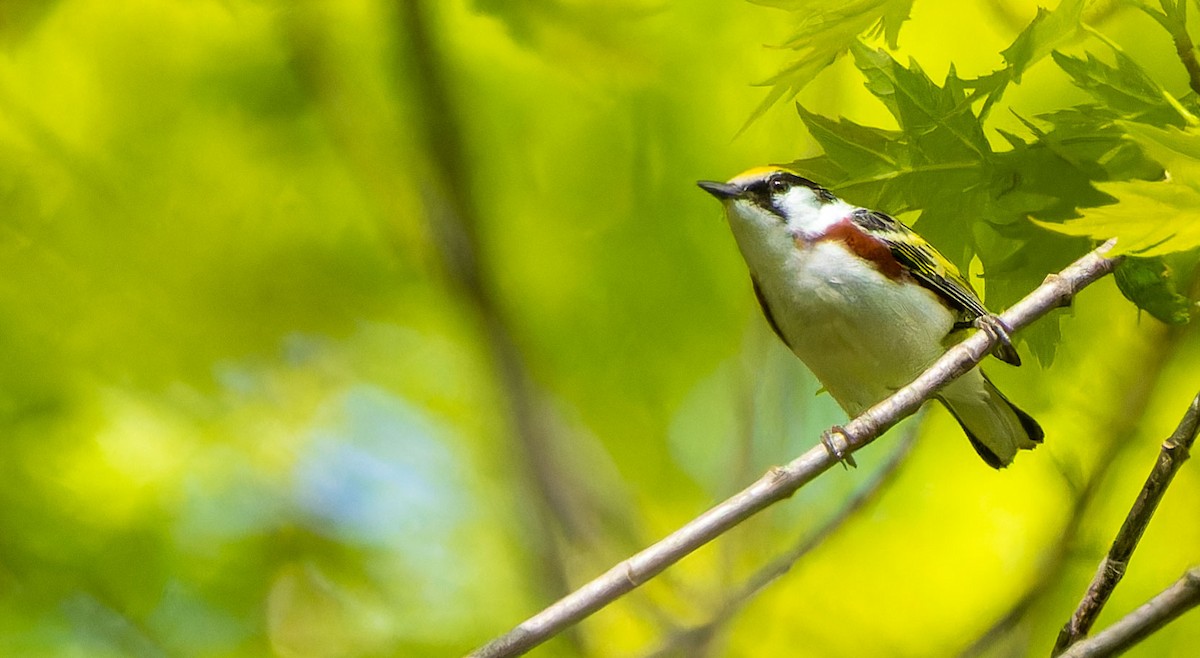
{"x":862,"y":334}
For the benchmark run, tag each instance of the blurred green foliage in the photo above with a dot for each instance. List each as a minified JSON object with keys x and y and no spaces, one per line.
{"x":365,"y":328}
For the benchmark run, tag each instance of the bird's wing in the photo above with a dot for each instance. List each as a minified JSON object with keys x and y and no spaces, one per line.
{"x":925,"y":263}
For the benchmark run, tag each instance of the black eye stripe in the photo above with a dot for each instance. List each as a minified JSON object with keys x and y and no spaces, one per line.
{"x":761,"y":195}
{"x":764,"y":191}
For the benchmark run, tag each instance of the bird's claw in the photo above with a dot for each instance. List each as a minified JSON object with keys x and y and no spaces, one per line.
{"x":993,"y":326}
{"x":839,"y":451}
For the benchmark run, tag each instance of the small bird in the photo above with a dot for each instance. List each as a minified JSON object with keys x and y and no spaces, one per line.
{"x":866,"y":303}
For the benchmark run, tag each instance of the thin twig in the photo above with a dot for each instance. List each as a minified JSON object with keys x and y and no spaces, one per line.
{"x":698,"y":635}
{"x":1150,"y":365}
{"x":1174,"y":452}
{"x":1173,"y":18}
{"x":1143,"y":622}
{"x":782,"y":482}
{"x":1120,"y":424}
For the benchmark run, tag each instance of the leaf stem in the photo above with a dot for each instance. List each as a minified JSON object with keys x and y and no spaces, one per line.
{"x":1173,"y":19}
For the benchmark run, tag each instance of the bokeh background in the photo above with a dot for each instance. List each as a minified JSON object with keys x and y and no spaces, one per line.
{"x":366,"y":328}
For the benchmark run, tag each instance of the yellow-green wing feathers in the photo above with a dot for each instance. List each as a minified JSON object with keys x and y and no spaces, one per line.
{"x":925,"y":263}
{"x":931,"y":269}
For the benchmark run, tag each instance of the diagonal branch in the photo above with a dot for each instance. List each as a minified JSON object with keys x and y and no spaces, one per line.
{"x":1120,"y":422}
{"x":1141,"y":623}
{"x":781,"y":482}
{"x":1112,"y":568}
{"x":699,"y":635}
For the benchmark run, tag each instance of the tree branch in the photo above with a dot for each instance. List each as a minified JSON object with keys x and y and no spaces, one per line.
{"x":1120,"y":423}
{"x":692,"y":638}
{"x":1161,"y":343}
{"x":1175,"y":450}
{"x":782,"y":482}
{"x":1141,"y":623}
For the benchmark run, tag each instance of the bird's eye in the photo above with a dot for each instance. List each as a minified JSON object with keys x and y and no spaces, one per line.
{"x":777,"y":185}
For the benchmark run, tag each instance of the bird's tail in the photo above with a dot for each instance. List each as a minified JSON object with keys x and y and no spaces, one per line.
{"x":995,"y":426}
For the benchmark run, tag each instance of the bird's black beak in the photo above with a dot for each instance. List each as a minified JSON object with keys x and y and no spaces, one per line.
{"x":720,"y":190}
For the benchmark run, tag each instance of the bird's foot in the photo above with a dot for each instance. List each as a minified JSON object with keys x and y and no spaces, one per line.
{"x":993,"y":326}
{"x":834,"y":440}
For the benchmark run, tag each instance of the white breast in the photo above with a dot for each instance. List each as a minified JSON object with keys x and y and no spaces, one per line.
{"x":862,"y":334}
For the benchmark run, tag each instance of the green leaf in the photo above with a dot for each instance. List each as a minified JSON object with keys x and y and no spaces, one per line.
{"x":938,"y":120}
{"x":824,"y":32}
{"x":1177,"y":150}
{"x":1094,"y":141}
{"x":1048,"y":30}
{"x":1126,"y":88}
{"x":1147,"y":282}
{"x":1054,"y":175}
{"x":1150,"y":218}
{"x":861,"y":149}
{"x":939,"y":148}
{"x":820,"y":169}
{"x":817,"y":19}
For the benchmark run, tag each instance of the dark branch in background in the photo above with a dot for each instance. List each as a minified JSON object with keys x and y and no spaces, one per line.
{"x":424,"y":151}
{"x":781,"y":482}
{"x":1143,"y":622}
{"x":1175,"y":450}
{"x":690,"y":641}
{"x":454,"y":223}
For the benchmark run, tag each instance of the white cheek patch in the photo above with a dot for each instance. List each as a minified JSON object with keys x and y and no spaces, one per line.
{"x":798,"y":202}
{"x":832,"y":213}
{"x":810,"y":219}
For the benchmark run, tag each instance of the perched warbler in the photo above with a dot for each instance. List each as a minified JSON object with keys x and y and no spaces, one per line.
{"x":866,"y":303}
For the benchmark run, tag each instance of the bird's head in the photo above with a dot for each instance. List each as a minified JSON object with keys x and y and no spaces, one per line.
{"x":776,"y":203}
